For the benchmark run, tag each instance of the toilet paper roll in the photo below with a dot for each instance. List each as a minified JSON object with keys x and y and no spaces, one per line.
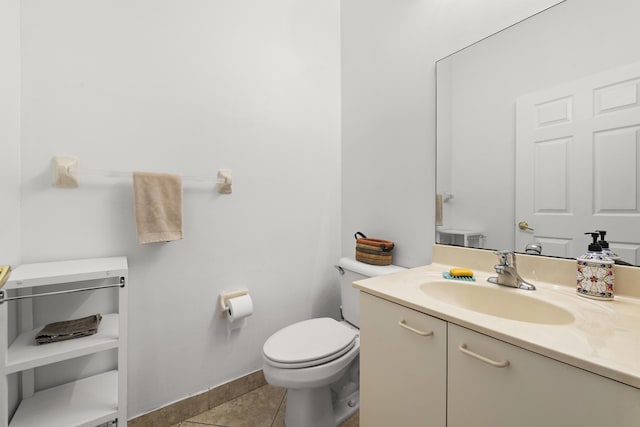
{"x":239,"y":308}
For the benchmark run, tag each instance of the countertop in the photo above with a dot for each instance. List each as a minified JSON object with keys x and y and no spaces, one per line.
{"x":603,"y":339}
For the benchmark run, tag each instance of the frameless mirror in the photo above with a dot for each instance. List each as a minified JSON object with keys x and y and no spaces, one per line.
{"x":538,"y":134}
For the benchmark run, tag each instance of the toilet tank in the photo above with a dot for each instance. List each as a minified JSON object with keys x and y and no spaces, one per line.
{"x":350,"y":271}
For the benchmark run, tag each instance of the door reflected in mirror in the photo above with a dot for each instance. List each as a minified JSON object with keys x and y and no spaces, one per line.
{"x":538,"y":134}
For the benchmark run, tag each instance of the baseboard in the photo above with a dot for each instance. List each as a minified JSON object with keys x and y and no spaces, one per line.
{"x":184,"y":409}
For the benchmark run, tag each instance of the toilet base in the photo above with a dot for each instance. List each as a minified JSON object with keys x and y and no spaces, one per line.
{"x":316,"y":407}
{"x":309,"y":407}
{"x":345,"y":408}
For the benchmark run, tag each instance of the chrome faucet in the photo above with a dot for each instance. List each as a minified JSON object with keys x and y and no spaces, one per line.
{"x":533,"y":249}
{"x":508,"y":273}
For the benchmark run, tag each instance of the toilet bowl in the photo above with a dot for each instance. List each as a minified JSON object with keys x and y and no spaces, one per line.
{"x":306,"y":358}
{"x":317,"y":360}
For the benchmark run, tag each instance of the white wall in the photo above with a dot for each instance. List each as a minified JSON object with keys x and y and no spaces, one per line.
{"x":389,"y":49}
{"x":10,"y":151}
{"x":189,"y":87}
{"x":10,"y":131}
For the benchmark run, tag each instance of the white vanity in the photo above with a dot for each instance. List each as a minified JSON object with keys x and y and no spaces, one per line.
{"x":429,"y":361}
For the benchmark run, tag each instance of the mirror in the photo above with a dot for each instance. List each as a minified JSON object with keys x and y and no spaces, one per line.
{"x":539,"y":125}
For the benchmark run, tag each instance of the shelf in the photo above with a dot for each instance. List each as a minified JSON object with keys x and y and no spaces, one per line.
{"x":51,"y":273}
{"x":25,"y":353}
{"x":26,"y":365}
{"x":458,"y":231}
{"x":86,"y":402}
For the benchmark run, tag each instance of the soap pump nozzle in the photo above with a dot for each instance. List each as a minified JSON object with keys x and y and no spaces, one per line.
{"x":602,"y":242}
{"x":605,"y":246}
{"x":594,"y":247}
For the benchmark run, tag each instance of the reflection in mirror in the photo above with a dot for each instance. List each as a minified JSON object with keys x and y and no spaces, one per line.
{"x":538,"y":134}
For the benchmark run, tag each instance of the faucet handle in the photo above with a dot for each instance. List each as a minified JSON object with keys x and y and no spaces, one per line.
{"x":503,"y":252}
{"x":507,"y":257}
{"x":508,"y":273}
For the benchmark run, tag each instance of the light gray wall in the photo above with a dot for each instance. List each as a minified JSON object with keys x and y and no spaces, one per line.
{"x":10,"y":131}
{"x":10,"y":155}
{"x":389,"y":50}
{"x":189,"y":87}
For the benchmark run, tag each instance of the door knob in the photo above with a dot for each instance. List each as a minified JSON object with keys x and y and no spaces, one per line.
{"x":524,"y":225}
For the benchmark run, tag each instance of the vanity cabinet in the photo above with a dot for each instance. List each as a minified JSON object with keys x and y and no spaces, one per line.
{"x":492,"y":383}
{"x":403,"y":366}
{"x":77,"y":382}
{"x":460,"y":378}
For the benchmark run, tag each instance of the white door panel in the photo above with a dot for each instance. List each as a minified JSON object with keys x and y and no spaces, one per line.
{"x":577,"y":157}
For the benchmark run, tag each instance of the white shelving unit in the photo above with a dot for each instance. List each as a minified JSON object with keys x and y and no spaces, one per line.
{"x":459,"y":237}
{"x":92,"y":396}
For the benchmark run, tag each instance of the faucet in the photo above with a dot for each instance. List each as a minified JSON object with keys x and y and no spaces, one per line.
{"x":533,"y":249}
{"x":508,"y":273}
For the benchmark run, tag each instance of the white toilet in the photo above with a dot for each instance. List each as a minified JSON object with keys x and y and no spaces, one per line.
{"x":317,"y":359}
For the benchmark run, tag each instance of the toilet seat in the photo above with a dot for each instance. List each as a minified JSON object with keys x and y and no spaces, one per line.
{"x":308,"y":343}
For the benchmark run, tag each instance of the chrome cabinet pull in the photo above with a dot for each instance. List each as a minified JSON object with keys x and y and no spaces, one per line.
{"x":403,"y":323}
{"x":500,"y":364}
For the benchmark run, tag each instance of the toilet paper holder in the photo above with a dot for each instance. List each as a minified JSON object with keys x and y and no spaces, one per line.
{"x":225,"y":296}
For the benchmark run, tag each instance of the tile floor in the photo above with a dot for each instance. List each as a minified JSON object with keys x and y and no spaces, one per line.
{"x":262,"y":407}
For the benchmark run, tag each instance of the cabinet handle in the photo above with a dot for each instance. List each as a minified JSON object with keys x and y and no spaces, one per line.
{"x":403,"y":323}
{"x":500,"y":364}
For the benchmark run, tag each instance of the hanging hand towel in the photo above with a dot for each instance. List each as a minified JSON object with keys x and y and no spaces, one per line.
{"x":158,"y":206}
{"x":439,"y":209}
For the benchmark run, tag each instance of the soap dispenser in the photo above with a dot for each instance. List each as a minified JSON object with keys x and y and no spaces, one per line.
{"x":595,"y":275}
{"x":605,"y":246}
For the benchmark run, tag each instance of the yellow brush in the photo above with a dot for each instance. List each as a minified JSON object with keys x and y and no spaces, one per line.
{"x":459,"y":274}
{"x":462,"y":272}
{"x":4,"y":274}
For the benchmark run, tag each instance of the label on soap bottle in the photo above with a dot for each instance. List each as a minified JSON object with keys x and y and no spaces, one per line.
{"x":595,"y":277}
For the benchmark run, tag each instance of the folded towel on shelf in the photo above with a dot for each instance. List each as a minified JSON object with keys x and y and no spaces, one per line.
{"x":158,"y":206}
{"x":69,"y":329}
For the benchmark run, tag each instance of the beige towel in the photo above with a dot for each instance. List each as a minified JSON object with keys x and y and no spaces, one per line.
{"x":158,"y":206}
{"x":439,"y":209}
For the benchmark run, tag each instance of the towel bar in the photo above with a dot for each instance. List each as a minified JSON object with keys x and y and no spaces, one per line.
{"x":4,"y":298}
{"x":65,"y":170}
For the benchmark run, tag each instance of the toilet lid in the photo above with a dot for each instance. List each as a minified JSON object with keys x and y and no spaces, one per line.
{"x":309,"y":343}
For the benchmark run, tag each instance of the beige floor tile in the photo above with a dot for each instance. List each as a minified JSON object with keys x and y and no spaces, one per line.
{"x":254,"y":409}
{"x":279,"y":421}
{"x":353,"y":421}
{"x":190,"y":424}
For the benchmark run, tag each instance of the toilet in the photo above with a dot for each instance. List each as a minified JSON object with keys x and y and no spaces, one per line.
{"x":317,"y":359}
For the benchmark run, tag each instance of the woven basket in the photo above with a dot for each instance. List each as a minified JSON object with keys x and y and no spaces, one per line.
{"x":373,"y":251}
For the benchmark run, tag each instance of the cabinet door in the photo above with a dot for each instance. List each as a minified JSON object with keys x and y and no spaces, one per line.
{"x":530,"y":391}
{"x":402,"y":366}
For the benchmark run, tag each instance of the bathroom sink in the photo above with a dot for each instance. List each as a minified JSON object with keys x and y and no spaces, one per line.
{"x":508,"y":303}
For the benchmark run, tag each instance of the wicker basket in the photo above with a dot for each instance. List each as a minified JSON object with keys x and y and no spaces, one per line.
{"x":373,"y":251}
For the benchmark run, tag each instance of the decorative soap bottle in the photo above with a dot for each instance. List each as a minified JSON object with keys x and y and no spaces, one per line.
{"x":595,"y":275}
{"x":605,"y":246}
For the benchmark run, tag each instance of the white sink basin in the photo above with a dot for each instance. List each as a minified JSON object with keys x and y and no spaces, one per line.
{"x":504,"y":302}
